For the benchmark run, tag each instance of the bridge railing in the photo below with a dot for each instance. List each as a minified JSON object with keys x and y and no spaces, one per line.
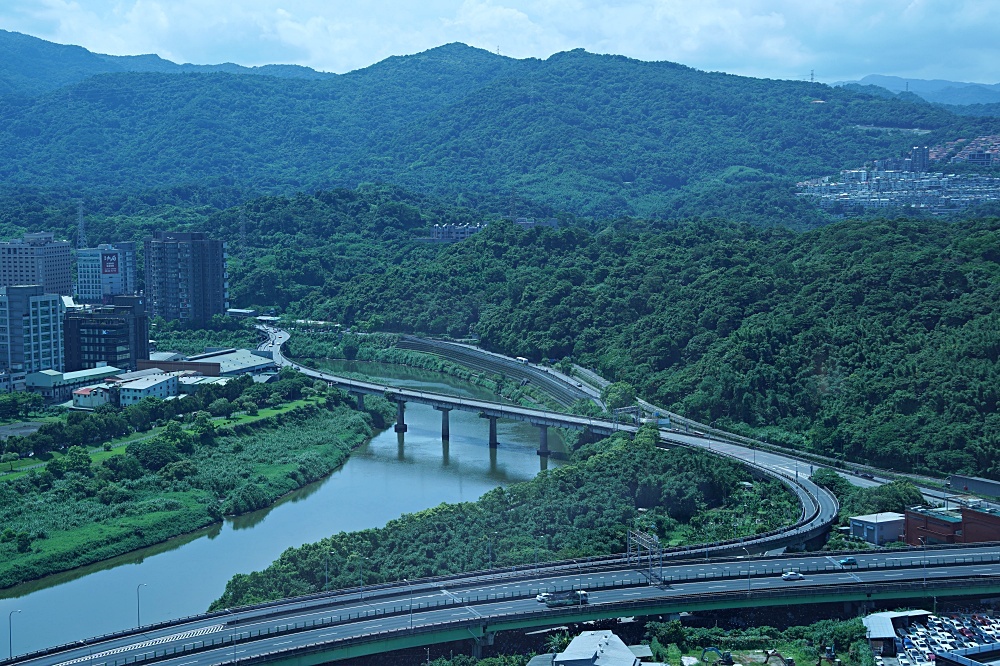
{"x":484,"y":620}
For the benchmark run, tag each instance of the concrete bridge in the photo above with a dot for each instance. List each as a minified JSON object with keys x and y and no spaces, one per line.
{"x":819,"y":506}
{"x":491,"y":411}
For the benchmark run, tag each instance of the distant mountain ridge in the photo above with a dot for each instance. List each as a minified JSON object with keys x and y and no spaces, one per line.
{"x":594,"y":135}
{"x":30,"y":66}
{"x":938,"y":91}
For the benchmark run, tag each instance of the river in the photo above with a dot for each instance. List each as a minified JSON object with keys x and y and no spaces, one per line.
{"x":391,"y":475}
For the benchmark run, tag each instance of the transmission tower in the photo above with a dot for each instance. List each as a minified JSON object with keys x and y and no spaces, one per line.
{"x":81,"y":226}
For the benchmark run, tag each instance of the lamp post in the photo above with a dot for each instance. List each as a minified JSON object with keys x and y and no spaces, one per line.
{"x":410,"y":588}
{"x":923,"y":546}
{"x":138,"y":616}
{"x":361,"y":574}
{"x":747,"y":551}
{"x":326,"y":572}
{"x":10,"y":632}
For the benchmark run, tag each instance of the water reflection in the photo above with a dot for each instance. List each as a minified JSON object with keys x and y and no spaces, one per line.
{"x":389,"y":476}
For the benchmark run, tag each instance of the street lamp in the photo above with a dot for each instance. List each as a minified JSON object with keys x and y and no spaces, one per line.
{"x":361,"y":574}
{"x":748,"y":568}
{"x":923,"y":544}
{"x":326,"y":572}
{"x":410,"y":588}
{"x":138,"y":617}
{"x":10,"y":632}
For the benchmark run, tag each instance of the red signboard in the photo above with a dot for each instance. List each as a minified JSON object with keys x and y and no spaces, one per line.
{"x":109,"y":263}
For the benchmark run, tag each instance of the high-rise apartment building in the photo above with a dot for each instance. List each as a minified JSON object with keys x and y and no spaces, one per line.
{"x":37,"y":259}
{"x":115,"y":334}
{"x":186,"y":276}
{"x":104,"y":272}
{"x":31,"y":329}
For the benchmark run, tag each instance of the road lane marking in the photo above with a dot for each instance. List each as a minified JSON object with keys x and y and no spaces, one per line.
{"x":282,"y":643}
{"x":150,"y":643}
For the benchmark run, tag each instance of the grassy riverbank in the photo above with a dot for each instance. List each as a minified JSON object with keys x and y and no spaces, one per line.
{"x":171,"y":484}
{"x":577,"y":510}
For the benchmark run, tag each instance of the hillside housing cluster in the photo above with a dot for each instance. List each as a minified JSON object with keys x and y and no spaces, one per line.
{"x":898,"y":182}
{"x":51,"y":328}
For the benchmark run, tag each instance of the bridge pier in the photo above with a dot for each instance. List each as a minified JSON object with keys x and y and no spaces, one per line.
{"x":360,"y":399}
{"x":445,"y":429}
{"x":543,"y":441}
{"x":493,"y":432}
{"x":400,"y":422}
{"x":478,"y":642}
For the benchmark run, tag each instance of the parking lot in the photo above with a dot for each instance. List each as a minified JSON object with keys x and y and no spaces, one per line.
{"x":917,"y":644}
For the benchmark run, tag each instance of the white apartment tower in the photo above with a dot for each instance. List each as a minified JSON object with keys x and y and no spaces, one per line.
{"x":37,"y":259}
{"x":31,"y":330}
{"x":104,"y":272}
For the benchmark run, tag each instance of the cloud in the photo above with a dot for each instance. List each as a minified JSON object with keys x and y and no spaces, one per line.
{"x":842,"y":39}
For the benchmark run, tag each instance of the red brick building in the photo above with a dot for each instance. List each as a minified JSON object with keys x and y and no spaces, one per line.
{"x":936,"y":526}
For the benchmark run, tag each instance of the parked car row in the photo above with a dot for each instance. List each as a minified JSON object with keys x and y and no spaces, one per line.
{"x":917,"y":645}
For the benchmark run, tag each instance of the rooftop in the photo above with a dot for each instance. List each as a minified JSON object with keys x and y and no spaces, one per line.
{"x":947,"y":515}
{"x":596,"y":648}
{"x":145,"y":382}
{"x":883,"y":517}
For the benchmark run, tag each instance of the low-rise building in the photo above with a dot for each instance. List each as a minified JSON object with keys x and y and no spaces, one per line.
{"x":92,"y":397}
{"x":933,"y":525}
{"x":595,"y":648}
{"x":11,"y":381}
{"x":220,"y":363}
{"x":57,"y":386}
{"x":965,"y":524}
{"x":878,"y":528}
{"x":160,"y":386}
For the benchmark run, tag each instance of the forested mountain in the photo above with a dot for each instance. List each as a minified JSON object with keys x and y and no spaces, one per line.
{"x":593,"y":135}
{"x":29,"y":66}
{"x":873,"y":340}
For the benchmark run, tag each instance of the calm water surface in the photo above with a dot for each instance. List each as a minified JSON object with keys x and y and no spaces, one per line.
{"x":393,"y":474}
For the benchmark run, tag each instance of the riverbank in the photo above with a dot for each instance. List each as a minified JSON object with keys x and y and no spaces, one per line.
{"x":581,"y":509}
{"x":169,"y":485}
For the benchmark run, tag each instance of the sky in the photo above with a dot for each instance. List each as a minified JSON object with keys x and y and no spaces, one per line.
{"x":834,"y":40}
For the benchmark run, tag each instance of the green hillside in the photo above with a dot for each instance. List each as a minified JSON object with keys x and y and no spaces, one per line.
{"x":598,"y":136}
{"x":870,"y":340}
{"x":30,"y":66}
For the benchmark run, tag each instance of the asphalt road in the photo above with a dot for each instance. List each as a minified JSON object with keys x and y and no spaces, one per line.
{"x":500,"y":595}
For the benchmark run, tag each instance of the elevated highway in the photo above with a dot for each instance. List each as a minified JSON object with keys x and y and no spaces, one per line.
{"x":819,"y":506}
{"x":343,"y":625}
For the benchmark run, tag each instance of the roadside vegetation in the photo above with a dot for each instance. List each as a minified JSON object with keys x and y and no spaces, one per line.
{"x":313,"y":348}
{"x":577,"y":510}
{"x":220,"y":332}
{"x":895,"y":496}
{"x":87,"y":505}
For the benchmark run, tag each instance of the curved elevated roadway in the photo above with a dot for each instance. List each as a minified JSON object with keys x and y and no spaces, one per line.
{"x":203,"y":639}
{"x":343,"y":625}
{"x":819,"y":506}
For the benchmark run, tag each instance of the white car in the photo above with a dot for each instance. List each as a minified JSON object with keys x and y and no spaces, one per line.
{"x":542,"y":596}
{"x":792,"y":575}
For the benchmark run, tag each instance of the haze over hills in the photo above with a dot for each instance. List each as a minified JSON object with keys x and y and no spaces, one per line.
{"x":938,"y":91}
{"x":593,"y":135}
{"x":29,"y":66}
